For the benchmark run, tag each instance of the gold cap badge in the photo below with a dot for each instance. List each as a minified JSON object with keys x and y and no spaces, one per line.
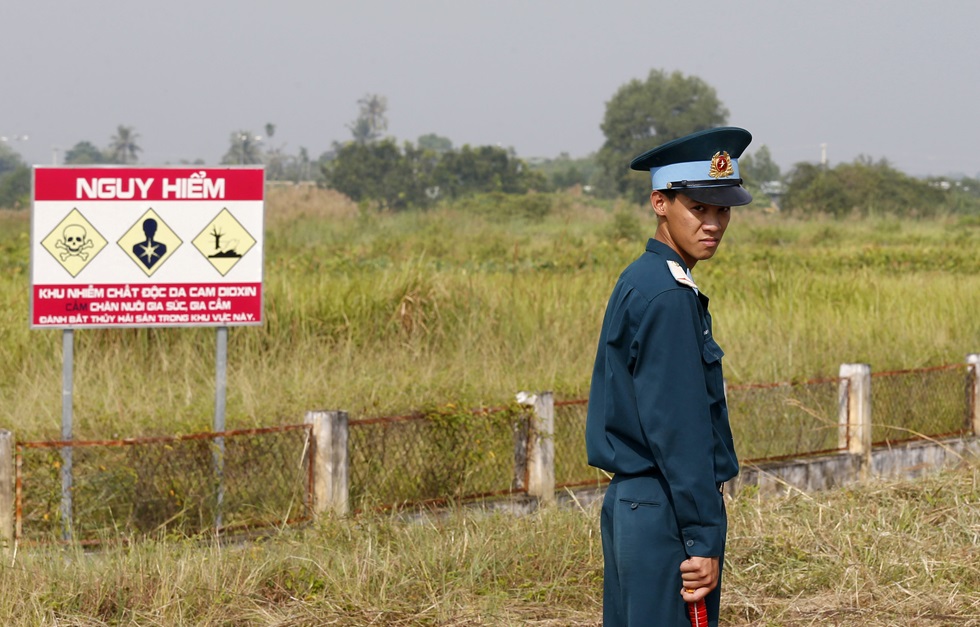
{"x":721,"y":165}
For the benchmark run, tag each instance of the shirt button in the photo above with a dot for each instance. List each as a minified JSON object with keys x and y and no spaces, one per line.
{"x":633,"y":506}
{"x":690,"y":543}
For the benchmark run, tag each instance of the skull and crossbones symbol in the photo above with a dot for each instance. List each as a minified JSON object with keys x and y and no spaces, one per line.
{"x":74,"y":243}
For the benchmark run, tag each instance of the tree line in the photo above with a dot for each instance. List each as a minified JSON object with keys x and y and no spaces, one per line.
{"x":378,"y":171}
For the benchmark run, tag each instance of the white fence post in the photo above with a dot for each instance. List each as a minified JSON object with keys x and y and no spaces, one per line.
{"x":540,"y":459}
{"x":854,"y":402}
{"x":6,"y":489}
{"x":330,"y":461}
{"x":973,"y":390}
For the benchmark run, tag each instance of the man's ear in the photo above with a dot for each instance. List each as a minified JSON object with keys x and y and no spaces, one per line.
{"x":659,"y":202}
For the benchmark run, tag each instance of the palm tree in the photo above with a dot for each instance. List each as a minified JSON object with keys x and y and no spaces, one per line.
{"x":243,"y":148}
{"x":372,"y":121}
{"x":123,"y":148}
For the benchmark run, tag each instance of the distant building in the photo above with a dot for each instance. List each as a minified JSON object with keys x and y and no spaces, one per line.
{"x":774,"y":190}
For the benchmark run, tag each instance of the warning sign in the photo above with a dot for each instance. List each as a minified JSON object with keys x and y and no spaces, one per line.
{"x":74,"y":242}
{"x":146,"y":246}
{"x":149,"y":242}
{"x":223,"y":241}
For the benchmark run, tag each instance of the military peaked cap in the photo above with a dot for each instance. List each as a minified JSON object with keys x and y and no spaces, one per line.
{"x":703,"y":166}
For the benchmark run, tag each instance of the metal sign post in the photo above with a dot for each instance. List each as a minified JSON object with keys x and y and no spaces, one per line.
{"x":67,"y":376}
{"x":220,"y":392}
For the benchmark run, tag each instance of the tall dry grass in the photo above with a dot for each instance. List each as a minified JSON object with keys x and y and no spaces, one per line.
{"x":383,"y":313}
{"x":388,"y":313}
{"x":901,"y":553}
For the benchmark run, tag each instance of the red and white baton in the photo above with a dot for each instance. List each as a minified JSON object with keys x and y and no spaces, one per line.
{"x":698,"y":612}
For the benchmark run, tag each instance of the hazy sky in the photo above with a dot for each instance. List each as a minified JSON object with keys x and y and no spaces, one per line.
{"x":896,"y":79}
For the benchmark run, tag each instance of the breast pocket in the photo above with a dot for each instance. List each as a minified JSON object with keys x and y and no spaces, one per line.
{"x":714,"y":380}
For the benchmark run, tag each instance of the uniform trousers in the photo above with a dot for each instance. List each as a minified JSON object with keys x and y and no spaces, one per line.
{"x":642,"y":553}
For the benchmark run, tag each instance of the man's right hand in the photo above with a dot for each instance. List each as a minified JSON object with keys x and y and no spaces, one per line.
{"x":699,"y":576}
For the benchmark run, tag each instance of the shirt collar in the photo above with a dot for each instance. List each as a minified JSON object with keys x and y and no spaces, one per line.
{"x":659,"y":248}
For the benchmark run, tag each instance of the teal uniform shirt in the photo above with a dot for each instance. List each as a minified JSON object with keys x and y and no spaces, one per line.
{"x":657,"y":402}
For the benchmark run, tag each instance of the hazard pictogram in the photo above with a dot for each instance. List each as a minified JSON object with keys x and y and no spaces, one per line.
{"x":74,"y":243}
{"x":223,"y":242}
{"x":149,"y":242}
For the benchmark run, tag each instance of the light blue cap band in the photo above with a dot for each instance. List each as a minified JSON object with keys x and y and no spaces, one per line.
{"x":690,"y":171}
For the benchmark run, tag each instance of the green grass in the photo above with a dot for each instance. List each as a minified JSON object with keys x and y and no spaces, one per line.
{"x":896,"y":553}
{"x":381,"y":314}
{"x":385,"y":314}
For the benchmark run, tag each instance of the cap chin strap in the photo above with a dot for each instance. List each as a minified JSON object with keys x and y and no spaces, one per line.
{"x":704,"y":183}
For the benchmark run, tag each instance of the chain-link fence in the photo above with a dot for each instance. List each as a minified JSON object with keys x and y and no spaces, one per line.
{"x":192,"y":484}
{"x":441,"y":456}
{"x":910,"y":404}
{"x":795,"y":419}
{"x":164,"y":486}
{"x":785,"y":419}
{"x":571,"y":466}
{"x":768,"y":421}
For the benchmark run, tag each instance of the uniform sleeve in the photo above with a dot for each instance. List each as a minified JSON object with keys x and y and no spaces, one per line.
{"x":673,"y":406}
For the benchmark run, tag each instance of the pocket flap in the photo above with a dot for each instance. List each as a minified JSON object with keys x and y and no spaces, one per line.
{"x":711,"y":351}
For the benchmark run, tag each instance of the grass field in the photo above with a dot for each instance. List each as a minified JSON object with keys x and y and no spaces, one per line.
{"x":381,"y":314}
{"x":896,"y":554}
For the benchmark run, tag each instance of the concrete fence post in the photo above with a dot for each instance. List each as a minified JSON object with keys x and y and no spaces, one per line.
{"x":539,"y":458}
{"x":7,"y":502}
{"x":973,"y":392}
{"x":854,"y":402}
{"x":329,"y":460}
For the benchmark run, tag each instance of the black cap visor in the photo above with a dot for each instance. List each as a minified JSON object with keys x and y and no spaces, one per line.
{"x":727,"y":196}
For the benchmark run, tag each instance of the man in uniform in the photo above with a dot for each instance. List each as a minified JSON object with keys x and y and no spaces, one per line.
{"x":657,"y":416}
